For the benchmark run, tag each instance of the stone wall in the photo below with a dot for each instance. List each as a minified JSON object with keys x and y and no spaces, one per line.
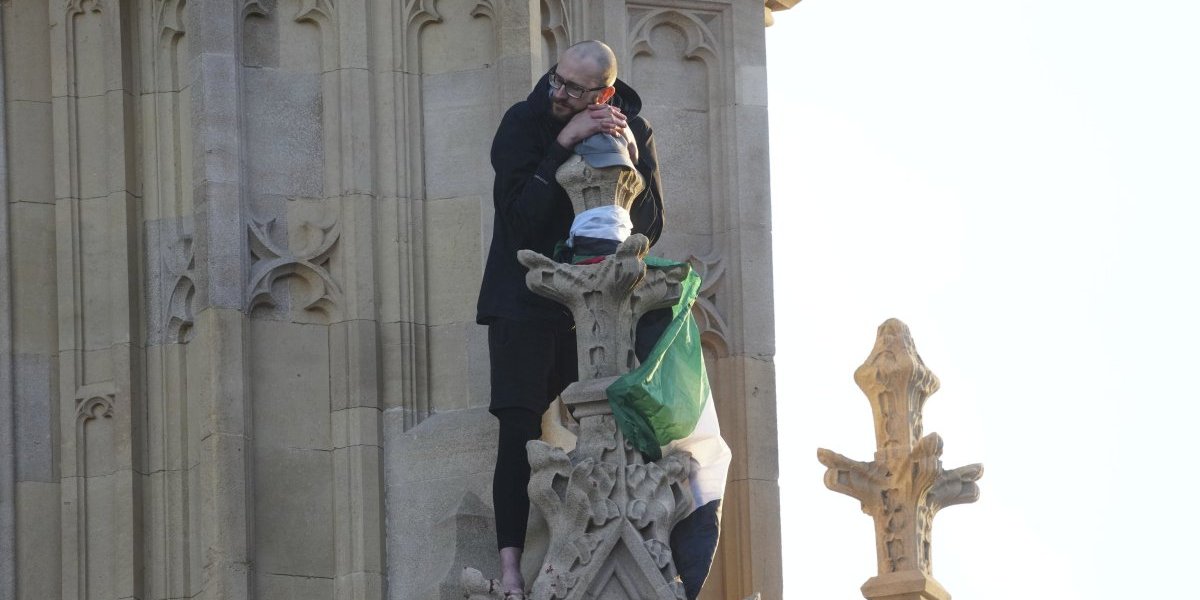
{"x":243,"y":244}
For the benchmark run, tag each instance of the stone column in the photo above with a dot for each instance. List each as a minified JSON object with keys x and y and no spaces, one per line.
{"x":905,"y":486}
{"x":8,"y":450}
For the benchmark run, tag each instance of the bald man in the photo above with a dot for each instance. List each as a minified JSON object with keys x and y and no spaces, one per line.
{"x":531,"y":340}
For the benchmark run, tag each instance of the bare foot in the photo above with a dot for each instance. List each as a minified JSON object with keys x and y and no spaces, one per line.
{"x":510,"y":571}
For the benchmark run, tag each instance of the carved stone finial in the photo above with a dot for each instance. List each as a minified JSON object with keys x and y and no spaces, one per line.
{"x":606,"y":300}
{"x":905,"y":486}
{"x":608,"y":512}
{"x":590,"y":187}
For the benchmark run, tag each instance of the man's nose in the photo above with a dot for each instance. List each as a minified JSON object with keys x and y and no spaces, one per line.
{"x":560,"y":93}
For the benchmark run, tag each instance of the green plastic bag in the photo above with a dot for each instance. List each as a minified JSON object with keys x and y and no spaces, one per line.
{"x":660,"y":401}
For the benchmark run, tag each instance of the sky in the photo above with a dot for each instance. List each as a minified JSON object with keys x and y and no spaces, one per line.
{"x":1019,"y":182}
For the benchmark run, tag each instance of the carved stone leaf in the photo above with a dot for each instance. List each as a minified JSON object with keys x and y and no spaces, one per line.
{"x":660,"y":552}
{"x":585,"y":546}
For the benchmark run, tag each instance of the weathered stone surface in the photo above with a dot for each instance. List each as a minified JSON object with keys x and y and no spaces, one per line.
{"x":439,"y":510}
{"x":290,"y":385}
{"x":353,"y":365}
{"x":453,"y":225}
{"x":904,"y":585}
{"x":35,"y":415}
{"x":282,"y":586}
{"x":32,"y":248}
{"x":32,"y":177}
{"x":39,"y":556}
{"x":284,"y":132}
{"x":905,"y":486}
{"x":451,"y":374}
{"x":293,"y":509}
{"x":456,"y":151}
{"x":147,"y":143}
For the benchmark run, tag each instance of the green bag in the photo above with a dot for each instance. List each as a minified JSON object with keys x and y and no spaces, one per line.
{"x":660,"y":401}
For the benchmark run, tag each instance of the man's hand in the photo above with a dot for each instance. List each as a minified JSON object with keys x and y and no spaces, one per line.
{"x":596,"y":118}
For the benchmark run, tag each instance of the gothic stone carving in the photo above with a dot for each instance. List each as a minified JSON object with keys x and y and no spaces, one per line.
{"x":606,"y":300}
{"x":905,"y":486}
{"x":608,"y":512}
{"x":272,"y":261}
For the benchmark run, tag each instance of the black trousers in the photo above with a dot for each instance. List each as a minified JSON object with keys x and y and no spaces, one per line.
{"x":531,"y":363}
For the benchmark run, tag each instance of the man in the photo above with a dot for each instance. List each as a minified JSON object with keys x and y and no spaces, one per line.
{"x":531,"y":340}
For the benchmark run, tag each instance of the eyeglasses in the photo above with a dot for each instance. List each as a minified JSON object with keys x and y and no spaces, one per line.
{"x":573,"y":90}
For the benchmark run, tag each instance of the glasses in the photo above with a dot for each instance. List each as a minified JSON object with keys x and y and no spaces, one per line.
{"x":573,"y":90}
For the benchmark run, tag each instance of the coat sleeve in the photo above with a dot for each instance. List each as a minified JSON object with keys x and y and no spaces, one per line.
{"x":647,"y":211}
{"x":525,"y":190}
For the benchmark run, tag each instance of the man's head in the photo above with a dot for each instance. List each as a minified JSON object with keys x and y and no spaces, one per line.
{"x":587,"y":70}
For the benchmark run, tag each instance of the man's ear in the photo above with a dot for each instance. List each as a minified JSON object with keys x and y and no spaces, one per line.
{"x":606,"y":94}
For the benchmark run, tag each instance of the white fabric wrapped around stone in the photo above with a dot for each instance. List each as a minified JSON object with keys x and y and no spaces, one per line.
{"x":609,"y":222}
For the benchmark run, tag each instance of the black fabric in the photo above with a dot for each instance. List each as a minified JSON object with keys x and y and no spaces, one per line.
{"x":649,"y":328}
{"x":590,"y":246}
{"x":693,"y":543}
{"x":510,"y":494}
{"x":533,"y":211}
{"x":531,"y":362}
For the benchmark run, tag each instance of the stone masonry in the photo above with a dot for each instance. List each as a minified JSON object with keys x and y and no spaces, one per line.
{"x":242,"y":242}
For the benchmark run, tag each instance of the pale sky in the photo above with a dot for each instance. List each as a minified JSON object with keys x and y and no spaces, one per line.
{"x":1019,"y":182}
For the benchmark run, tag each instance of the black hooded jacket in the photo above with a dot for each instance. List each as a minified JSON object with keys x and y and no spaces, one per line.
{"x":534,"y":212}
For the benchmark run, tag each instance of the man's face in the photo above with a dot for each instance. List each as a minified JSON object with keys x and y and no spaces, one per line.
{"x":581,"y":73}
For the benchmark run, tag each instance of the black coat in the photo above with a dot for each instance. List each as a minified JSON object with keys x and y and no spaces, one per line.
{"x":534,"y":212}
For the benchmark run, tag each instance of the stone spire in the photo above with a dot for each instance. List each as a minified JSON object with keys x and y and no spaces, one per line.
{"x":905,"y":486}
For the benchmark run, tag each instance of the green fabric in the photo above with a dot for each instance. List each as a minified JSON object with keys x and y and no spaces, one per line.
{"x":660,"y":401}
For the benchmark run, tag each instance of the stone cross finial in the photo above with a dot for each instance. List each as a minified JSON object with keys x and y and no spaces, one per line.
{"x":905,"y":486}
{"x":591,"y":187}
{"x":606,"y":300}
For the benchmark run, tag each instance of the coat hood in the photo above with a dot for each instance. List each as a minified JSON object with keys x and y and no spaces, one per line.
{"x":625,"y":99}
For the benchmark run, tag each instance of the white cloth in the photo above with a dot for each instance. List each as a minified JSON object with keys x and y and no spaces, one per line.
{"x":710,"y":456}
{"x":610,"y":222}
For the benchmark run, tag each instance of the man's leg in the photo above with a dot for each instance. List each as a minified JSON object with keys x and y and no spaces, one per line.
{"x":509,"y":490}
{"x":527,"y":373}
{"x":693,"y":542}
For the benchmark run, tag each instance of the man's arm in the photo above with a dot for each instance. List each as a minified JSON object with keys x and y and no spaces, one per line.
{"x":647,"y":211}
{"x":525,"y":185}
{"x":524,"y":193}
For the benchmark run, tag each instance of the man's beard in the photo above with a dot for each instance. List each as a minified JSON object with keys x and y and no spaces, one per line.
{"x":561,"y":111}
